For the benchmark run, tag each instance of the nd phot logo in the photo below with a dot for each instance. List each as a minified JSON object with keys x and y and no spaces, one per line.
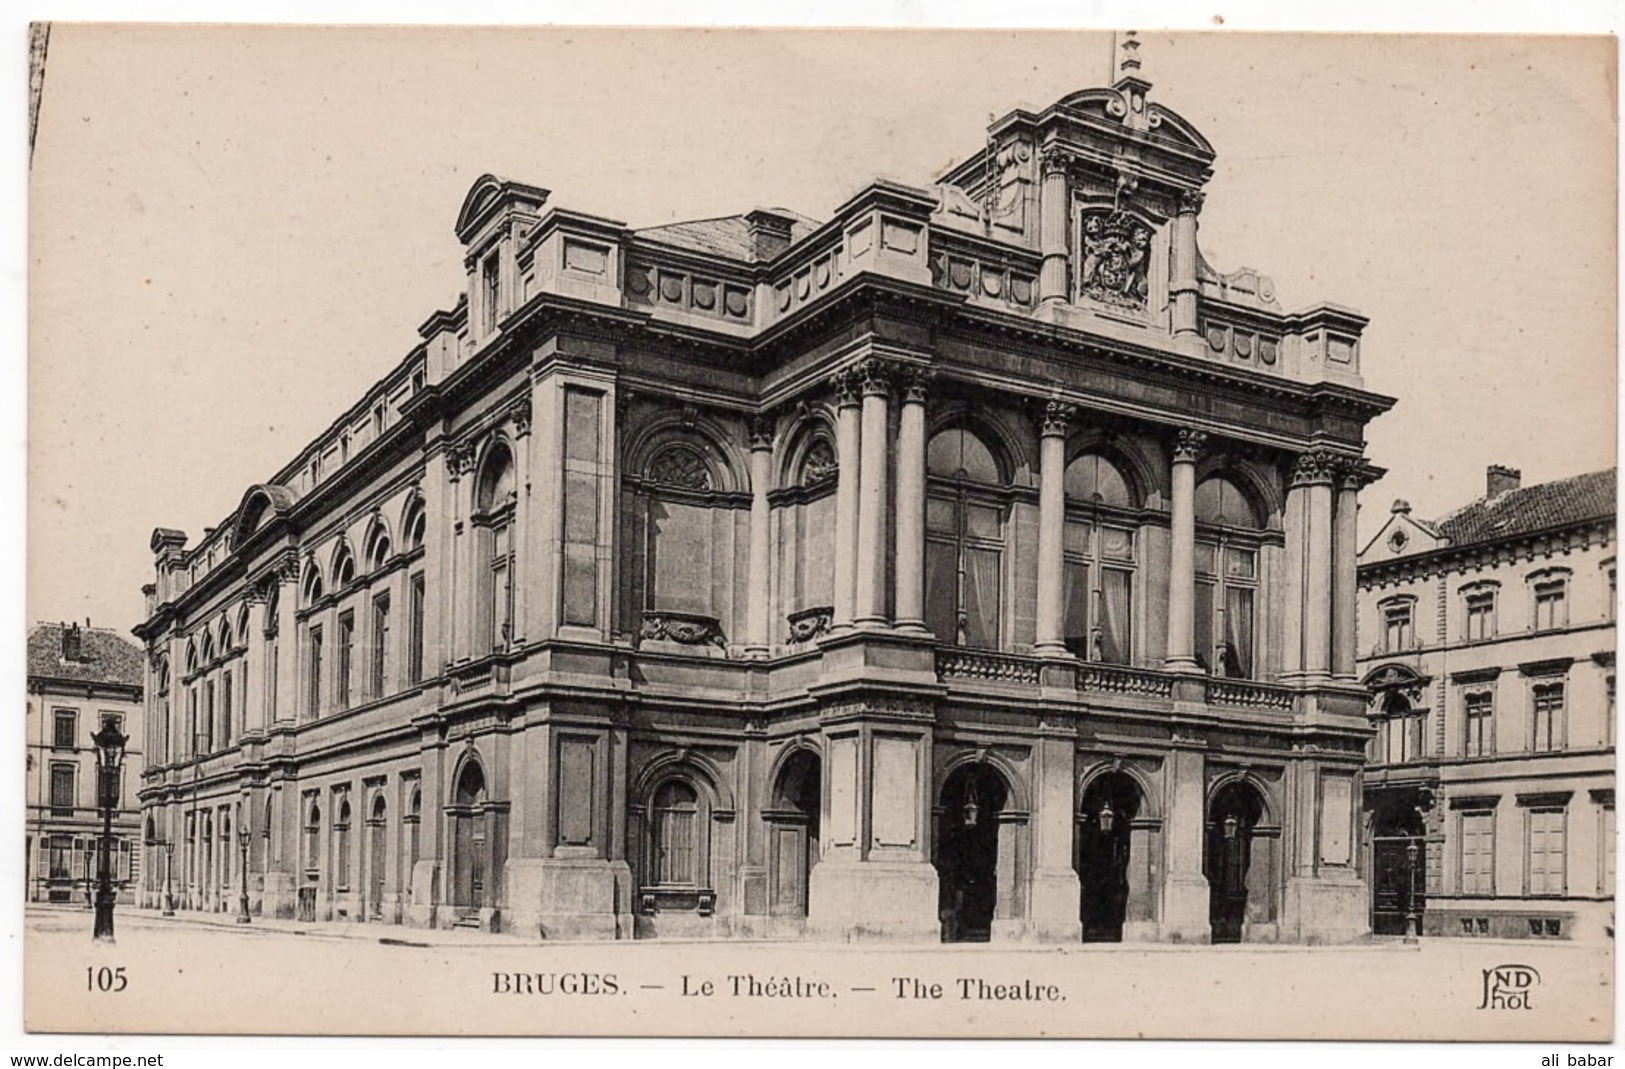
{"x":1508,"y":987}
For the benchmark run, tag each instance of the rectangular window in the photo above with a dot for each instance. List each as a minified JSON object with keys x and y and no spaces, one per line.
{"x":313,"y":694}
{"x":225,"y":709}
{"x":581,"y":501}
{"x":270,"y":679}
{"x":942,"y":591}
{"x":64,"y":786}
{"x":380,"y":644}
{"x":65,"y":730}
{"x":1480,"y":717}
{"x":981,"y":598}
{"x":1551,"y":605}
{"x":61,"y":857}
{"x":1202,"y":635}
{"x":1605,"y":850}
{"x":207,"y":745}
{"x":1237,"y":650}
{"x":346,"y":646}
{"x":490,"y":293}
{"x":414,"y":653}
{"x":1397,"y":634}
{"x":1478,"y":853}
{"x":1480,"y":616}
{"x":501,"y":585}
{"x":1547,"y":727}
{"x":1546,"y":851}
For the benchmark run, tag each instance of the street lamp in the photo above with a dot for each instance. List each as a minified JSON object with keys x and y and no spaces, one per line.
{"x":169,"y":869}
{"x":1232,"y":824}
{"x":968,"y":814}
{"x":110,"y":743}
{"x":1107,"y":818}
{"x":243,"y":835}
{"x":1412,"y":921}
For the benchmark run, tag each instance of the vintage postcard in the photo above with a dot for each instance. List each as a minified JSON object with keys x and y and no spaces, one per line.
{"x":609,"y":532}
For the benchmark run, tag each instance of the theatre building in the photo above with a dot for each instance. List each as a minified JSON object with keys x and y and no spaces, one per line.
{"x":976,"y":562}
{"x":1487,"y":640}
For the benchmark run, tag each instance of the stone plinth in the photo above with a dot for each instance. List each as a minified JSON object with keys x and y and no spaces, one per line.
{"x":1326,"y":909}
{"x":569,"y":898}
{"x":862,"y":901}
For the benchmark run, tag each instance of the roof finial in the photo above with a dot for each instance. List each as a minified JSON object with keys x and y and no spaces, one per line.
{"x":1131,"y":52}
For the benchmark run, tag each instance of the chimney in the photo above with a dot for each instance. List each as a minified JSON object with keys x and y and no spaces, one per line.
{"x":1498,"y":479}
{"x":769,"y":233}
{"x":70,"y":642}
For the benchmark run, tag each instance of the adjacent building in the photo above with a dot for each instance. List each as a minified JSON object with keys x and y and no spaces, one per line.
{"x":976,"y":562}
{"x":79,"y":678}
{"x":1488,"y":643}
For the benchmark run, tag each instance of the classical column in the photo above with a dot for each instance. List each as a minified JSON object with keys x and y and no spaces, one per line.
{"x":847,"y":438}
{"x":761,"y":473}
{"x":255,"y":665}
{"x":1052,"y":527}
{"x":1345,"y":549}
{"x":870,"y":609}
{"x":1182,"y":284}
{"x":1052,"y":223}
{"x":1316,"y":470}
{"x":910,"y":607}
{"x":459,"y":585}
{"x":525,"y":567}
{"x":289,"y":698}
{"x":1182,"y":552}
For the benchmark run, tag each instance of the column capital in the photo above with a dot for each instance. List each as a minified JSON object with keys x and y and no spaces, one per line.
{"x":1054,"y":159}
{"x":915,"y":381}
{"x":1190,"y":201}
{"x":875,"y":376}
{"x":848,"y":388}
{"x":1056,"y":419}
{"x":460,"y":459}
{"x":1357,"y":473}
{"x":1188,"y":445}
{"x":760,"y":430}
{"x":1317,"y":467}
{"x":520,"y":414}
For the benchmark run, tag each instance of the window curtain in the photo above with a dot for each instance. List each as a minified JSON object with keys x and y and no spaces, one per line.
{"x":1202,"y":638}
{"x":1238,"y":633}
{"x":1075,"y":625}
{"x":982,"y":598}
{"x":1115,"y":623}
{"x":941,"y":581}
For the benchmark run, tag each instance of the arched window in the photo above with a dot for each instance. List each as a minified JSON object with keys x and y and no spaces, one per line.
{"x":377,"y":549}
{"x":1228,"y":526}
{"x":414,"y":526}
{"x":414,"y":819}
{"x":676,"y":529}
{"x":494,"y":503}
{"x":674,"y":820}
{"x":343,"y":568}
{"x":1100,"y":562}
{"x":341,"y":847}
{"x":1400,"y":731}
{"x":808,"y":543}
{"x":313,"y":585}
{"x":964,"y":549}
{"x":313,"y":841}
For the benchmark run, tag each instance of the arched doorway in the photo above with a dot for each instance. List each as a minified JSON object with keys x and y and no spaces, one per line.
{"x":376,"y":858}
{"x":1398,"y":864}
{"x":968,"y":852}
{"x":1104,"y":843}
{"x":1233,"y":816}
{"x":793,"y":832}
{"x":468,"y":843}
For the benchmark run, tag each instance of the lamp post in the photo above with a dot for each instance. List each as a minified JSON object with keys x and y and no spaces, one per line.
{"x":169,"y":869}
{"x":89,"y":884}
{"x":243,"y":835}
{"x":1412,"y":921}
{"x":110,"y":743}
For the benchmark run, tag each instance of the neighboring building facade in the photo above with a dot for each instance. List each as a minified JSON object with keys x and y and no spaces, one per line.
{"x":975,"y":564}
{"x":1489,"y":651}
{"x":79,"y":677}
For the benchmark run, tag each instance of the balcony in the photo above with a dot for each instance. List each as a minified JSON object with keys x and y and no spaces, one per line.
{"x":1121,"y":679}
{"x":987,"y":666}
{"x":1247,"y":694}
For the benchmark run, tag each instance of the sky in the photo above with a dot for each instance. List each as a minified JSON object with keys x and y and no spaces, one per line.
{"x":233,"y":231}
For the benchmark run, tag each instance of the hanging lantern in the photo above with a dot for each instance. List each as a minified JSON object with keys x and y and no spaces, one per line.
{"x":970,"y":811}
{"x":1107,"y":818}
{"x":1231,"y":824}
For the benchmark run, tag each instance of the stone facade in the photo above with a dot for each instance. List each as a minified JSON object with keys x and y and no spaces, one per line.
{"x":976,"y":563}
{"x":1487,"y":640}
{"x":77,"y":678}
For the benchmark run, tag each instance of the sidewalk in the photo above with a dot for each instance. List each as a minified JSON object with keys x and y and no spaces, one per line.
{"x":372,"y":932}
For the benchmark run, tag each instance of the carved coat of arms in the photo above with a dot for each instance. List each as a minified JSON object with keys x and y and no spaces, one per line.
{"x":1116,"y":255}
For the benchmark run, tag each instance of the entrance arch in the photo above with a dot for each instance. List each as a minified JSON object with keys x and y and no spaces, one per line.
{"x":1104,"y":855}
{"x":793,"y":832}
{"x":1398,"y":864}
{"x":973,"y":797}
{"x":468,"y":842}
{"x":1238,"y":861}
